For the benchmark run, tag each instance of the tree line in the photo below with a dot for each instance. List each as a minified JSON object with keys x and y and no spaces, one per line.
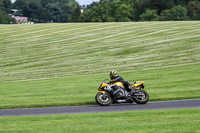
{"x":41,"y":11}
{"x":103,"y":11}
{"x":142,"y":10}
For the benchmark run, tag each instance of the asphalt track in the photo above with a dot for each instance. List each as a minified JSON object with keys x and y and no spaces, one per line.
{"x":194,"y":103}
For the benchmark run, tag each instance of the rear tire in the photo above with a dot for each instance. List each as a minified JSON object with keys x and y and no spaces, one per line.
{"x":143,"y":97}
{"x":103,"y":99}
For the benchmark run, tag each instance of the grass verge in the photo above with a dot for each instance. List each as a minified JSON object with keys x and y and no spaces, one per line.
{"x":151,"y":121}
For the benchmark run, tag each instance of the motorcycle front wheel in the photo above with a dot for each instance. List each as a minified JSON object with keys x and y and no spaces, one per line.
{"x":103,"y":99}
{"x":141,"y":97}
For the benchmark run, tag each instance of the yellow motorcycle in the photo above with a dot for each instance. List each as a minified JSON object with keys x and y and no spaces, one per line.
{"x":113,"y":93}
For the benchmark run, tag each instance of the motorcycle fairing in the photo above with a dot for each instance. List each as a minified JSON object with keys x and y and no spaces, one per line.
{"x":103,"y":92}
{"x":137,"y":84}
{"x":102,"y":85}
{"x":119,"y":84}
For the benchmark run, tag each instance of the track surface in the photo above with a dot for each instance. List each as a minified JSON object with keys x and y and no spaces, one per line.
{"x":194,"y":103}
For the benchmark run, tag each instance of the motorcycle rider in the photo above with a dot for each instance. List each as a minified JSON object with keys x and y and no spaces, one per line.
{"x":115,"y":77}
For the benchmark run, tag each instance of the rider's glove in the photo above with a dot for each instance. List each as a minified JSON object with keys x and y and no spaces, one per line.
{"x":110,"y":82}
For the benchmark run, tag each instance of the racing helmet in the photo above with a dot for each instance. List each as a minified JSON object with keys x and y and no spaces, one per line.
{"x":113,"y":74}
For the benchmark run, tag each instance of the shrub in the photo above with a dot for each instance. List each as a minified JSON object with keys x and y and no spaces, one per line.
{"x":150,"y":15}
{"x":175,"y":13}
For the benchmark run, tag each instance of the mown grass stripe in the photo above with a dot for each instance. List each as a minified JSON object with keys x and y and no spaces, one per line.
{"x":180,"y":38}
{"x":73,"y":29}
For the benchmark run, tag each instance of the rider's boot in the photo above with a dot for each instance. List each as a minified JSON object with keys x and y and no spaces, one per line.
{"x":130,"y":90}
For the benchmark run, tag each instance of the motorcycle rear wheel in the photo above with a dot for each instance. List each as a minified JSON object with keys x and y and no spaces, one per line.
{"x":103,"y":99}
{"x":142,"y":100}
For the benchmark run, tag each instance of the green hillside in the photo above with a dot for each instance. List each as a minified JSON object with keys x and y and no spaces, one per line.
{"x":141,"y":121}
{"x":63,"y":64}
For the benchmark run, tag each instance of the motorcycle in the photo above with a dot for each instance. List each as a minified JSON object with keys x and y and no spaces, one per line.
{"x":113,"y":93}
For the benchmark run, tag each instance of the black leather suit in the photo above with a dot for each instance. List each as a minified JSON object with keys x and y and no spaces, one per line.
{"x":120,"y":79}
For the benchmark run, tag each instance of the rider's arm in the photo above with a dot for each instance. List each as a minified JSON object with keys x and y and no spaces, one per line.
{"x":117,"y":79}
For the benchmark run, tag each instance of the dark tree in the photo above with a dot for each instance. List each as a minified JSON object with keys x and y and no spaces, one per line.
{"x":4,"y":10}
{"x":47,"y":10}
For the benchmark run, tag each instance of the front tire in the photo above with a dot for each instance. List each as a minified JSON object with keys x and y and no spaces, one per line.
{"x":103,"y":99}
{"x":141,"y":97}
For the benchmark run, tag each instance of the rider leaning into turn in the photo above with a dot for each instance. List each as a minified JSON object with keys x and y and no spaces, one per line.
{"x":115,"y":77}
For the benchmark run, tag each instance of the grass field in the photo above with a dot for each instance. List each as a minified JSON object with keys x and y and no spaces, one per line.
{"x":45,"y":65}
{"x":151,"y":121}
